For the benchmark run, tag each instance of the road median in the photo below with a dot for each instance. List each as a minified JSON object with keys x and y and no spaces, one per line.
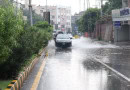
{"x":17,"y":83}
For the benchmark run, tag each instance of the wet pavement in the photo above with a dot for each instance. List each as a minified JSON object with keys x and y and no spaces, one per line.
{"x":76,"y":68}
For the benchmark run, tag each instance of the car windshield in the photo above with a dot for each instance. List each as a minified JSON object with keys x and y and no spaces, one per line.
{"x":63,"y":36}
{"x":54,"y":31}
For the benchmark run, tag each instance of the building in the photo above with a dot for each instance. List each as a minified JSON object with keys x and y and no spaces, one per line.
{"x":121,"y":22}
{"x":27,"y":4}
{"x":60,"y":16}
{"x":74,"y":18}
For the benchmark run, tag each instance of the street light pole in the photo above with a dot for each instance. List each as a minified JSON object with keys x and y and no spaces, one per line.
{"x":30,"y":11}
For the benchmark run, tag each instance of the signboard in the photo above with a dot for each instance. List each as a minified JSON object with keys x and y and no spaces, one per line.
{"x":76,"y":28}
{"x":47,"y":16}
{"x":124,"y":12}
{"x":121,"y":14}
{"x":117,"y":23}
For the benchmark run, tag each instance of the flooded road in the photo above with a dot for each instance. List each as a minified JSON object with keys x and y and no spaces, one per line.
{"x":76,"y":68}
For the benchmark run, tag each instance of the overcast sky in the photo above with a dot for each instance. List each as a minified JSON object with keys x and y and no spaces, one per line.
{"x":74,"y":4}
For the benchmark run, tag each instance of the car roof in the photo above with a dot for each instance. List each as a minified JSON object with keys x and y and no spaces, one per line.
{"x":63,"y":35}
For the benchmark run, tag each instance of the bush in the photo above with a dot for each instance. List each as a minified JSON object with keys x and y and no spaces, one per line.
{"x":10,"y":28}
{"x":19,"y":42}
{"x":30,"y":42}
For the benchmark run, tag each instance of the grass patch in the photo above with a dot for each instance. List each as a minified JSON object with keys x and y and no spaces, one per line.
{"x":4,"y":84}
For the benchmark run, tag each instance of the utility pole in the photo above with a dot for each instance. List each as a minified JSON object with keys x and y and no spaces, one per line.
{"x":16,"y":7}
{"x":46,"y":5}
{"x":88,"y":6}
{"x":101,"y":8}
{"x":30,"y":11}
{"x":84,"y":5}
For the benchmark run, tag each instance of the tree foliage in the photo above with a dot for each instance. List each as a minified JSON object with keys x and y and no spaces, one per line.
{"x":110,"y":5}
{"x":30,"y":41}
{"x":87,"y":22}
{"x":10,"y":28}
{"x":35,"y":17}
{"x":19,"y":42}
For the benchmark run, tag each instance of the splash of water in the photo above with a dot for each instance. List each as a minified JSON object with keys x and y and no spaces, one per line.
{"x":89,"y":43}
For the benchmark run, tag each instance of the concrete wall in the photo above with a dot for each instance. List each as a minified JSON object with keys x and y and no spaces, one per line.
{"x":104,"y":31}
{"x":122,"y":34}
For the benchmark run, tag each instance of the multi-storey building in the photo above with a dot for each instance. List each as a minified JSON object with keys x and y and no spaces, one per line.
{"x":64,"y":18}
{"x":26,"y":4}
{"x":60,"y":16}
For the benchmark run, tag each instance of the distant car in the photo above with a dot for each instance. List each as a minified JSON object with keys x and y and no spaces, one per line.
{"x":63,"y":40}
{"x":55,"y":35}
{"x":54,"y":32}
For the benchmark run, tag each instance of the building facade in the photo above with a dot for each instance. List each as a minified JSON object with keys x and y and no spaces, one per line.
{"x":121,"y":22}
{"x":60,"y":16}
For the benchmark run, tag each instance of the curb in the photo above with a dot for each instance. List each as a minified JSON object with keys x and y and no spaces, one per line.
{"x":17,"y":83}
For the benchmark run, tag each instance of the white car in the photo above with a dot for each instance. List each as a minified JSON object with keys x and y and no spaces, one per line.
{"x":63,"y":40}
{"x":70,"y":35}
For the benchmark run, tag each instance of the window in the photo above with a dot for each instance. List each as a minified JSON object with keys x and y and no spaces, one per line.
{"x":68,"y":23}
{"x":53,"y":17}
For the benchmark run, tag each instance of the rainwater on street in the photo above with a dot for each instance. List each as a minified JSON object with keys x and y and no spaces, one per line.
{"x":76,"y":68}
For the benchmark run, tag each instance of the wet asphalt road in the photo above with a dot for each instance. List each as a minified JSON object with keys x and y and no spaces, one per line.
{"x":75,"y":68}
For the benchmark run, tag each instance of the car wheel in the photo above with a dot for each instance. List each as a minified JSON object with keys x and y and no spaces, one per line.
{"x":56,"y":44}
{"x":70,"y":44}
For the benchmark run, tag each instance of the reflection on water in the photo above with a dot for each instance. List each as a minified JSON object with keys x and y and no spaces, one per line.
{"x":63,"y":50}
{"x":117,"y":58}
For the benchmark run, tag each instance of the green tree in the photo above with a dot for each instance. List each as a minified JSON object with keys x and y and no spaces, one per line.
{"x":110,"y":5}
{"x":11,"y":25}
{"x":87,"y":22}
{"x":36,"y":17}
{"x":30,"y":41}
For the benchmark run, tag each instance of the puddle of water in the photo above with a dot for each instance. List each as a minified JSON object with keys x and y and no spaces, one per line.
{"x":73,"y":69}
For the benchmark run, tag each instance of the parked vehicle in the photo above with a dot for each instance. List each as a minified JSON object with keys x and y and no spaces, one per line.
{"x":63,"y":40}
